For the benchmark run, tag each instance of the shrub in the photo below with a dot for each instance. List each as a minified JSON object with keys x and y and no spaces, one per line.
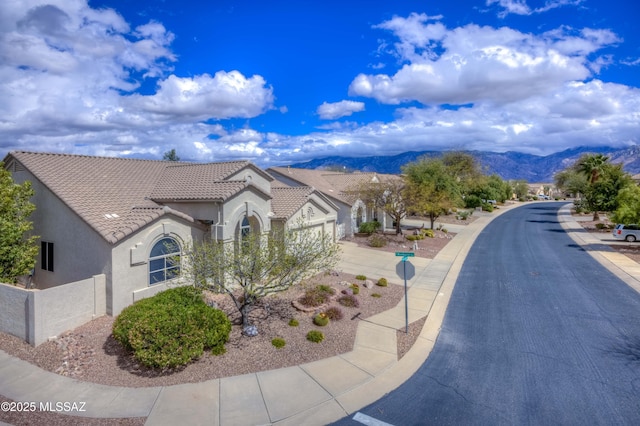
{"x":382,"y":282}
{"x":376,"y":295}
{"x":428,"y":233}
{"x":321,"y":319}
{"x":415,"y":237}
{"x":315,"y":336}
{"x":445,"y":230}
{"x":369,"y":227}
{"x":361,"y":277}
{"x":334,"y":313}
{"x":317,"y":296}
{"x":487,"y":207}
{"x":172,"y":328}
{"x":349,"y":301}
{"x":472,"y":201}
{"x":600,"y":225}
{"x":278,"y":342}
{"x":293,"y":322}
{"x":377,"y":241}
{"x":355,"y":288}
{"x":464,"y":214}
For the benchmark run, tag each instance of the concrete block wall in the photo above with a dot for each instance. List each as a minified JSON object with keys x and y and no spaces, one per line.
{"x":37,"y":315}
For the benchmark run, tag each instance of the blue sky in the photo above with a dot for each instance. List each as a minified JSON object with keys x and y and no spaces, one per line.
{"x":280,"y":82}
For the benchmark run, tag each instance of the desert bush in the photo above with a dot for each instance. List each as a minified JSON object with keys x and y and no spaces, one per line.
{"x":369,"y":227}
{"x":464,"y":214}
{"x":278,"y":342}
{"x":349,"y":301}
{"x":355,"y":288}
{"x":377,"y":241}
{"x":376,"y":295}
{"x":317,"y":296}
{"x":382,"y":282}
{"x":600,"y":225}
{"x":472,"y":201}
{"x":487,"y":207}
{"x":321,"y":319}
{"x":172,"y":328}
{"x":334,"y":313}
{"x":315,"y":336}
{"x":293,"y":322}
{"x":415,"y":237}
{"x":428,"y":233}
{"x":445,"y":230}
{"x":361,"y":277}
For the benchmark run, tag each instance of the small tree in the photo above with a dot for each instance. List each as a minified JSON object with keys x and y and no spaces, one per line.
{"x":431,"y":189}
{"x":171,"y":155}
{"x":387,"y":196}
{"x":628,"y":211}
{"x":17,"y":251}
{"x":260,"y":265}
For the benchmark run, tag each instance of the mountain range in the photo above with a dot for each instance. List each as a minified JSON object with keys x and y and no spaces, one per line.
{"x":507,"y":165}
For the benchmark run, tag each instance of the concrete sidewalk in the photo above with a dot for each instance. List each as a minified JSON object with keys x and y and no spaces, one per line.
{"x":310,"y":394}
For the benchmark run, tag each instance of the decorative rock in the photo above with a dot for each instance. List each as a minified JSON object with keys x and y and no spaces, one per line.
{"x":368,"y":284}
{"x":344,"y":283}
{"x":250,"y":331}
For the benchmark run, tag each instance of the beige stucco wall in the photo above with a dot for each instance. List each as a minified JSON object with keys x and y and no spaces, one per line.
{"x":130,"y":277}
{"x":79,"y":252}
{"x":250,"y":201}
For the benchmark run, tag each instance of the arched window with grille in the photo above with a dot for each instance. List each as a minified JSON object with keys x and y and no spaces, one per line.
{"x":164,"y":260}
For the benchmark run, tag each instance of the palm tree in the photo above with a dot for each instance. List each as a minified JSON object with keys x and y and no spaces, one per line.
{"x":592,"y":165}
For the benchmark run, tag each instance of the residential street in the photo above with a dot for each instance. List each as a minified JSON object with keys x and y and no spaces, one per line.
{"x":537,"y":332}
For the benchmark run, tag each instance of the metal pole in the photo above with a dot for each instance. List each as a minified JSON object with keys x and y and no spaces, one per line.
{"x":406,"y":300}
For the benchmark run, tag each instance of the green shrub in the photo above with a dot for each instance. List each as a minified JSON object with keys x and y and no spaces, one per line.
{"x":317,"y":296}
{"x":382,"y":282}
{"x":172,"y":328}
{"x":445,"y":230}
{"x":315,"y":336}
{"x":472,"y":201}
{"x":376,"y":295}
{"x":600,"y":225}
{"x":361,"y":277}
{"x":278,"y":342}
{"x":321,"y":319}
{"x":464,"y":214}
{"x":334,"y":313}
{"x":377,"y":241}
{"x":355,"y":288}
{"x":415,"y":237}
{"x":293,"y":322}
{"x":369,"y":227}
{"x":349,"y":301}
{"x":428,"y":233}
{"x":487,"y":207}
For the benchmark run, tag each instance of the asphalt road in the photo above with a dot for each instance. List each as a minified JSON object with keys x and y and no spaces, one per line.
{"x":536,"y":333}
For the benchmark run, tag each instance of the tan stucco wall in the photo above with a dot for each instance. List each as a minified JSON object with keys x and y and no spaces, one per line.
{"x":79,"y":252}
{"x":130,"y":278}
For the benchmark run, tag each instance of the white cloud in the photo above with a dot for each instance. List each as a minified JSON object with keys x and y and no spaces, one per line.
{"x":332,"y":111}
{"x":225,"y":95}
{"x":520,"y":7}
{"x":69,"y":73}
{"x":479,"y":64}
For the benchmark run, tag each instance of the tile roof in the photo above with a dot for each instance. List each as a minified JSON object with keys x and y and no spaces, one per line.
{"x":336,"y":185}
{"x":288,"y":200}
{"x":198,"y":182}
{"x":115,"y":195}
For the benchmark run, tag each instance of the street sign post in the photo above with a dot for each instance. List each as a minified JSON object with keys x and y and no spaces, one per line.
{"x":406,"y":271}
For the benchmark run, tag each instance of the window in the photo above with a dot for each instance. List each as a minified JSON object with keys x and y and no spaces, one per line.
{"x":164,"y":261}
{"x":46,"y":255}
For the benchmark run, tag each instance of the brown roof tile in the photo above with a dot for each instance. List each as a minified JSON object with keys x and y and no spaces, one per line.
{"x":288,"y":200}
{"x":115,"y":195}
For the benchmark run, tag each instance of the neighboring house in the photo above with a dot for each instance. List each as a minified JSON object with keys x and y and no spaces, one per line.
{"x":339,"y":188}
{"x":131,"y":219}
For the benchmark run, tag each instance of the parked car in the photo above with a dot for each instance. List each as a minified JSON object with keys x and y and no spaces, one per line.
{"x":628,"y":233}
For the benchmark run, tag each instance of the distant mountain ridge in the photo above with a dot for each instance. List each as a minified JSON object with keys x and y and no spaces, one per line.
{"x":508,"y":165}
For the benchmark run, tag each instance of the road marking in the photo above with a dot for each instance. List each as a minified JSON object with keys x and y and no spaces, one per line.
{"x":369,"y":421}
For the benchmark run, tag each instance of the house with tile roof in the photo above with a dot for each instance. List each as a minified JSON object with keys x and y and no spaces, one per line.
{"x":131,"y":219}
{"x":340,"y":188}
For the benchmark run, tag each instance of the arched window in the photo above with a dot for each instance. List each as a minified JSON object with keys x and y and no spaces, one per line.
{"x":164,"y":260}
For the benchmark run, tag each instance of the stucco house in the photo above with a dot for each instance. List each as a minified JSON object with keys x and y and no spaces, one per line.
{"x":130,"y":219}
{"x":339,"y":188}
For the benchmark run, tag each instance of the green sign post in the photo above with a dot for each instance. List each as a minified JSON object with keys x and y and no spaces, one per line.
{"x":403,"y":273}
